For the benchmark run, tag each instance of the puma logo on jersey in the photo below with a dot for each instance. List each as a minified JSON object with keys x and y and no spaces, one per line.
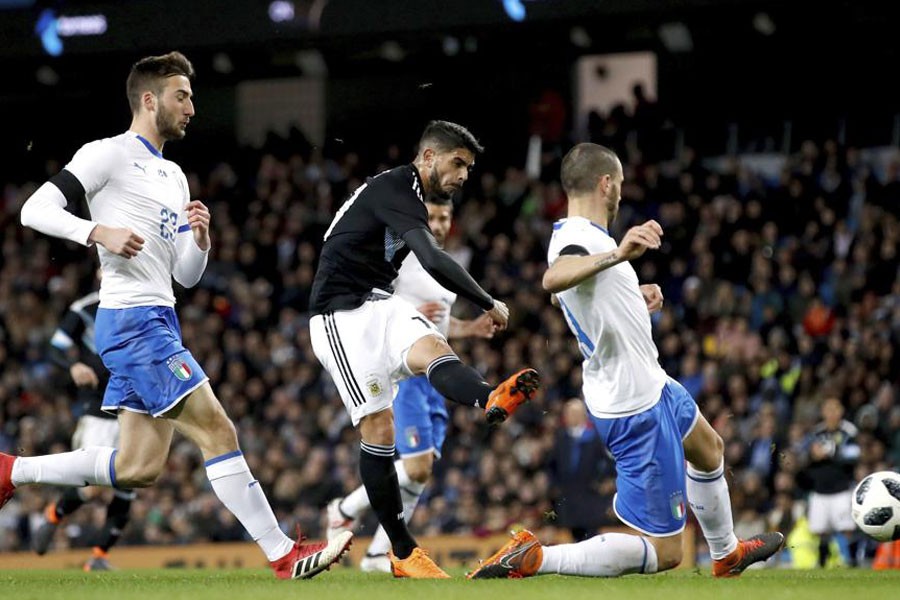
{"x":142,"y":168}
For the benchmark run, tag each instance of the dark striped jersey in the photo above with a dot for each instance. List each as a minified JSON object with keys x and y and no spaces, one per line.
{"x":73,"y":341}
{"x":834,"y":473}
{"x":364,"y":245}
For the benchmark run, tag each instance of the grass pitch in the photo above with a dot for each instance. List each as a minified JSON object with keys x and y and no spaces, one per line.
{"x":346,"y":584}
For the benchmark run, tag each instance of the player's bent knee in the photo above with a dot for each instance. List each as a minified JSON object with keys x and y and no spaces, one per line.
{"x":418,"y":470}
{"x":378,"y":428}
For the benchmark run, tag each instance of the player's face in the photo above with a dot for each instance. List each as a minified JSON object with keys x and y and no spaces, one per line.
{"x":440,"y":217}
{"x":449,"y":171}
{"x":174,"y":107}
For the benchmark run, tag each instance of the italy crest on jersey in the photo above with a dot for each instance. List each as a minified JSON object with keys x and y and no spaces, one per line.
{"x":179,"y":368}
{"x":412,"y":436}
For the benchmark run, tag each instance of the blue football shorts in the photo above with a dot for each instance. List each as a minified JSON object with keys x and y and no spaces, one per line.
{"x":649,"y":452}
{"x":150,"y":369}
{"x":420,"y":417}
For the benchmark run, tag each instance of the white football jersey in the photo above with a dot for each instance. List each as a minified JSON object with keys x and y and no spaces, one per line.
{"x":609,"y":317}
{"x":417,"y":287}
{"x":128,"y":183}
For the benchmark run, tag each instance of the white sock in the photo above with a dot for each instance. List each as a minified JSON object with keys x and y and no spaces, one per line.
{"x":708,"y":496}
{"x":410,"y":492}
{"x":79,"y":468}
{"x":355,"y":503}
{"x":607,"y":555}
{"x":243,"y":496}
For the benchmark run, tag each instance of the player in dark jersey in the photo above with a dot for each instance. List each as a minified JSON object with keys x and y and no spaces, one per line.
{"x":368,"y":339}
{"x":72,"y":348}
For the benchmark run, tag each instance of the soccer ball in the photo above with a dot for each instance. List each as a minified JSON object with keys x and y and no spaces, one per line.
{"x":876,"y":506}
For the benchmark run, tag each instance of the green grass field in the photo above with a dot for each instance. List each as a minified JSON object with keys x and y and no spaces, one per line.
{"x":347,"y":584}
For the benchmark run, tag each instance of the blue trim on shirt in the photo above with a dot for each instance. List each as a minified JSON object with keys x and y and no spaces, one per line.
{"x":561,"y":222}
{"x":150,"y":146}
{"x":184,"y":228}
{"x":579,"y":332}
{"x":221,"y":458}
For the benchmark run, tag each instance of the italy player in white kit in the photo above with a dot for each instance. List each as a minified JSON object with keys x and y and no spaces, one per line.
{"x":420,"y":411}
{"x":649,"y":422}
{"x":148,"y":231}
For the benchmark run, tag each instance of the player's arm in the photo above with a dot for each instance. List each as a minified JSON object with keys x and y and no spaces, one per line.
{"x":45,"y":210}
{"x":449,"y":274}
{"x":482,"y":327}
{"x":192,"y":244}
{"x":575,"y":265}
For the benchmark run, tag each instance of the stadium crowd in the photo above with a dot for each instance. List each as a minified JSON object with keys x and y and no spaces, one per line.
{"x":781,"y":291}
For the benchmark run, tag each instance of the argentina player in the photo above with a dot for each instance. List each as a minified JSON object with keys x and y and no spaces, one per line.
{"x":649,"y":422}
{"x":420,"y":412}
{"x":148,"y":231}
{"x":368,"y":339}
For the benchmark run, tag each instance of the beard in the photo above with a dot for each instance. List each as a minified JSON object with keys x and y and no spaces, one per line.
{"x":434,"y":183}
{"x":167,"y":125}
{"x":612,"y":208}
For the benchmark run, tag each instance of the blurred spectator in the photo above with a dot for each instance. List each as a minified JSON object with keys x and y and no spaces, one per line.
{"x":582,"y":472}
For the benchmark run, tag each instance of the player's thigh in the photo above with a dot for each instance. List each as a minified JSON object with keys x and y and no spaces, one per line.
{"x":414,"y":342}
{"x":352,"y":346}
{"x":143,"y":445}
{"x":703,"y":447}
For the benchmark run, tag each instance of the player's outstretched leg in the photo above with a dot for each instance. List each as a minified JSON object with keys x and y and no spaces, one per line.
{"x":464,"y":385}
{"x":753,"y":550}
{"x":607,"y":555}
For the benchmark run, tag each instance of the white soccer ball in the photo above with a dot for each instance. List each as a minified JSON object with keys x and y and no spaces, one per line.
{"x":876,"y":506}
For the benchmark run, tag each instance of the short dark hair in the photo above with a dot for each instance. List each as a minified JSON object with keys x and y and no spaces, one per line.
{"x":150,"y":72}
{"x":584,"y":165}
{"x":446,"y":136}
{"x":439,"y":200}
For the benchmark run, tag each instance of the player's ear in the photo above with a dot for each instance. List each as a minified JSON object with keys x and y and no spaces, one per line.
{"x":603,"y":183}
{"x":148,"y":100}
{"x":428,"y":155}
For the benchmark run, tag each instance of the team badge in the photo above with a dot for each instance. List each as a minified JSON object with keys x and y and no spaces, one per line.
{"x":374,"y":387}
{"x":412,"y":436}
{"x":179,"y":368}
{"x":676,"y":501}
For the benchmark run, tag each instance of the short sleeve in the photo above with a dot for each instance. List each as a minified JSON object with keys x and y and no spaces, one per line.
{"x":93,"y":165}
{"x":573,"y":238}
{"x":398,"y":206}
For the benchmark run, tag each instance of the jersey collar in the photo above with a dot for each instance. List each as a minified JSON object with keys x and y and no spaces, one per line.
{"x":149,"y":146}
{"x":562,"y":222}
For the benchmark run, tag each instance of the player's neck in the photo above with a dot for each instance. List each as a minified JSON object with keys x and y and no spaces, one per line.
{"x":147,"y":131}
{"x":588,"y":208}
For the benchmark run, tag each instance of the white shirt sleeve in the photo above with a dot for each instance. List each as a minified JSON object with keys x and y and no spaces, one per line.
{"x":190,"y":261}
{"x":94,"y":164}
{"x":46,"y":211}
